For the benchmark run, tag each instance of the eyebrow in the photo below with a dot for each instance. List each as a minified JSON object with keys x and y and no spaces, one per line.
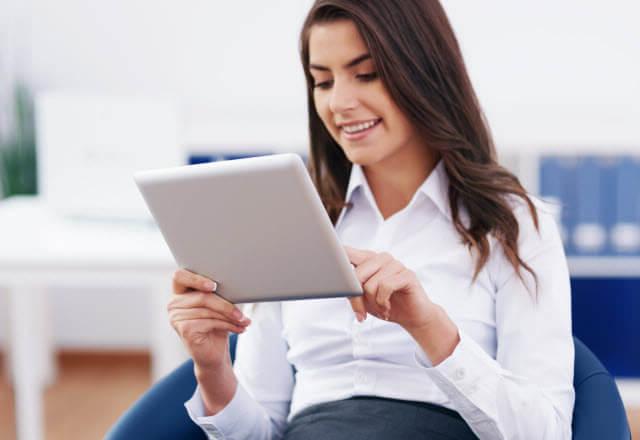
{"x":354,"y":62}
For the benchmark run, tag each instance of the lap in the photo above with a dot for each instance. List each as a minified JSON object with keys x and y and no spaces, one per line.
{"x":374,"y":418}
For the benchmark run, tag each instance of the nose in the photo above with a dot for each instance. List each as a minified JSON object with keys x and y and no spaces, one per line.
{"x":343,"y":97}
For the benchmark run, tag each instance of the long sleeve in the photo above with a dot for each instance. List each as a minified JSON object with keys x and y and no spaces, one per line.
{"x":527,"y":391}
{"x":259,"y":408}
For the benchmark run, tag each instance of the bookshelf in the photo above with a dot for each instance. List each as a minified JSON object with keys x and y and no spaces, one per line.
{"x":598,"y":201}
{"x":605,"y":266}
{"x":605,"y":288}
{"x":629,"y":391}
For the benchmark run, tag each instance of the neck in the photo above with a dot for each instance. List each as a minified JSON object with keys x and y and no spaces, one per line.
{"x":394,"y":182}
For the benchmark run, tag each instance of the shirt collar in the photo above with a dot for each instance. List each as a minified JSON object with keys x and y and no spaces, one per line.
{"x":356,"y":180}
{"x":435,"y":187}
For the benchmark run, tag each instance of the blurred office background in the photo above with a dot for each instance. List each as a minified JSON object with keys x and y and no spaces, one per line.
{"x":92,"y":91}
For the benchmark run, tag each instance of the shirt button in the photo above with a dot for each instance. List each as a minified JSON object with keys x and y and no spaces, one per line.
{"x":460,"y":374}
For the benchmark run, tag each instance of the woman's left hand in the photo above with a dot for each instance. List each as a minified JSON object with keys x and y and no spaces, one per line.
{"x":391,"y":291}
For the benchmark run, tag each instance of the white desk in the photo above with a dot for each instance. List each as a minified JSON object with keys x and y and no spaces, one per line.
{"x":38,"y":250}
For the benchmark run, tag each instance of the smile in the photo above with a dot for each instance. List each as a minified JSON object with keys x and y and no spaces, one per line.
{"x":360,"y":127}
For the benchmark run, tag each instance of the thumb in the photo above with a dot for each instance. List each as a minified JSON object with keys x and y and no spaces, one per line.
{"x":357,"y":304}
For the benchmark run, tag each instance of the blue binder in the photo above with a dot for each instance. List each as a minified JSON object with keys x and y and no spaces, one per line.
{"x":609,"y":168}
{"x":204,"y":158}
{"x":233,"y":156}
{"x":627,"y":209}
{"x":201,"y":158}
{"x":557,"y":181}
{"x":589,"y":234}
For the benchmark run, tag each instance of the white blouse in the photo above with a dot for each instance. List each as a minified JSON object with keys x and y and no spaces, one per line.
{"x":509,"y":377}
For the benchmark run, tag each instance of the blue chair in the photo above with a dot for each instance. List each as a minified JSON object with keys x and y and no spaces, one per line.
{"x":598,"y":412}
{"x":160,"y":414}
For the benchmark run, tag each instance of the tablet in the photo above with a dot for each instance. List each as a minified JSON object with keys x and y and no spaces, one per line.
{"x":256,"y":226}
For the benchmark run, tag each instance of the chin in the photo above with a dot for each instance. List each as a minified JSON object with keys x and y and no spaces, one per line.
{"x":363,"y":156}
{"x":360,"y":158}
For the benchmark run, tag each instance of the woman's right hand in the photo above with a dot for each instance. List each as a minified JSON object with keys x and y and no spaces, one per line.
{"x":203,"y":319}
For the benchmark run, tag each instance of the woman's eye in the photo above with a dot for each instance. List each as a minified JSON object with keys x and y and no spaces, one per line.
{"x":323,"y":84}
{"x":365,"y":77}
{"x":368,"y":76}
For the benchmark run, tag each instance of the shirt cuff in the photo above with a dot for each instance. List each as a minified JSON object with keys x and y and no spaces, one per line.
{"x":229,"y":420}
{"x":465,"y":376}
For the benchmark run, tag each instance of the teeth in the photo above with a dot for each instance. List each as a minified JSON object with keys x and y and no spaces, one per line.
{"x":358,"y":127}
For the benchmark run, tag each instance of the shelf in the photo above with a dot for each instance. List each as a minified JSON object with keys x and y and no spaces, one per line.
{"x":629,"y":391}
{"x":615,"y":267}
{"x":602,"y":147}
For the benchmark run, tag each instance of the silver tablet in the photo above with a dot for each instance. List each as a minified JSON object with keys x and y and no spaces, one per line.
{"x":256,"y":226}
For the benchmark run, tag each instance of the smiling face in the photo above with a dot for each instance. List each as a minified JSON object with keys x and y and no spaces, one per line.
{"x":352,"y":101}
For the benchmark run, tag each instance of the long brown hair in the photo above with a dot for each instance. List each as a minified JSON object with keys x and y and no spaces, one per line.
{"x":418,"y":58}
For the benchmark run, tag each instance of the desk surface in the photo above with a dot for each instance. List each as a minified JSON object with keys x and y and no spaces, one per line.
{"x":33,"y":236}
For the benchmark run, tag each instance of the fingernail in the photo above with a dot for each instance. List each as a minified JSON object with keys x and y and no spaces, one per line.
{"x":237,"y":314}
{"x":211,"y":286}
{"x":360,"y":316}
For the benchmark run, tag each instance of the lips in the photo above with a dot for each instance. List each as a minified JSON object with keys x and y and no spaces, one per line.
{"x":355,"y":127}
{"x":358,"y":130}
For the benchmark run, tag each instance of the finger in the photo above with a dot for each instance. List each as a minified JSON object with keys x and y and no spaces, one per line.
{"x":371,"y":266}
{"x":393,"y":284}
{"x":364,"y":272}
{"x":183,"y":280}
{"x":204,"y":299}
{"x":195,"y":281}
{"x":372,"y":285}
{"x":197,"y":299}
{"x":372,"y":307}
{"x":179,"y":314}
{"x":207,"y":325}
{"x":360,"y":310}
{"x":358,"y":256}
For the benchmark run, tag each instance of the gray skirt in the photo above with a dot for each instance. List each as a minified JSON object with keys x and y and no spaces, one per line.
{"x":375,"y":418}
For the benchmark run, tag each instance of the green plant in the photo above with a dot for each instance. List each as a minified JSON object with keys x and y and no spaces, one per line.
{"x":18,"y":173}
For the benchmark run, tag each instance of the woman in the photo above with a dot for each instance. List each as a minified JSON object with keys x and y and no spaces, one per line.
{"x":464,"y":328}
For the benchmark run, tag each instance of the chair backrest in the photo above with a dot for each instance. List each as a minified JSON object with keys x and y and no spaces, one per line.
{"x":233,"y":341}
{"x":598,"y":412}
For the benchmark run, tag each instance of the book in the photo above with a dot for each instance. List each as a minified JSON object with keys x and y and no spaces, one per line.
{"x":557,"y":187}
{"x":589,"y":235}
{"x":625,"y":229}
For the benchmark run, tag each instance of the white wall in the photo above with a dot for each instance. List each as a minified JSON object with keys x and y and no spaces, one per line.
{"x":234,"y":64}
{"x":547,"y":72}
{"x":555,"y":72}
